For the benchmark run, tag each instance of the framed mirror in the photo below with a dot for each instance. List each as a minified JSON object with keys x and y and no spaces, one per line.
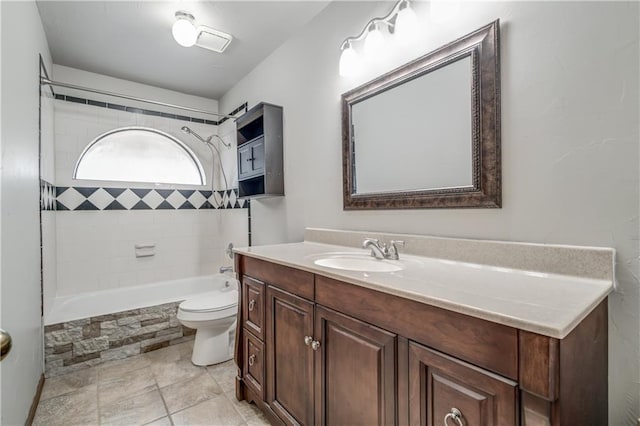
{"x":427,"y":134}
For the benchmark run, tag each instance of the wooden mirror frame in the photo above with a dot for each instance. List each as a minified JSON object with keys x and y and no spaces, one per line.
{"x":483,"y":47}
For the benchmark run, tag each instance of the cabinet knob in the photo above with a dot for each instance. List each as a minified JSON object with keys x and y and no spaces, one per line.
{"x":252,"y":304}
{"x":315,"y":345}
{"x":454,"y":414}
{"x":308,"y":340}
{"x":252,"y":359}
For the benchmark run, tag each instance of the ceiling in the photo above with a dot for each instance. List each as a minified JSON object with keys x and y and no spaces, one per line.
{"x":132,"y":39}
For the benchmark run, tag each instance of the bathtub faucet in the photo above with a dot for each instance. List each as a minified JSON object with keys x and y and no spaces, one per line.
{"x":224,"y":269}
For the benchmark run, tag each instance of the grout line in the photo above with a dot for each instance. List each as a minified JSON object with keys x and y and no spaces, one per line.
{"x":166,"y":407}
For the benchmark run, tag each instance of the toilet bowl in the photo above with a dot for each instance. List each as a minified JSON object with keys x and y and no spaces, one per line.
{"x":213,"y":315}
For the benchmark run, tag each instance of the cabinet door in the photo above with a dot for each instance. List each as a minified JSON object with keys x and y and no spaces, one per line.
{"x":257,"y":154}
{"x":444,"y":390}
{"x":251,"y":158}
{"x":245,"y":162}
{"x":355,"y":371}
{"x":289,"y":359}
{"x":253,"y":306}
{"x":253,"y":367}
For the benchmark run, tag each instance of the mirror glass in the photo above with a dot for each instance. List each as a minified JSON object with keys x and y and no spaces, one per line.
{"x":413,"y":145}
{"x":427,"y":135}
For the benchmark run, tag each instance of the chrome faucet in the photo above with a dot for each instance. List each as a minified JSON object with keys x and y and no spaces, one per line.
{"x":224,"y":269}
{"x":383,"y":251}
{"x":376,"y":250}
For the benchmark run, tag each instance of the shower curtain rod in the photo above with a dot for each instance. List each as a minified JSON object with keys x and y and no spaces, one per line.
{"x":48,"y":82}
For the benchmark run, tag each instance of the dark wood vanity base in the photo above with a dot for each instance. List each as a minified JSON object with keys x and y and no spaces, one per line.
{"x":315,"y":350}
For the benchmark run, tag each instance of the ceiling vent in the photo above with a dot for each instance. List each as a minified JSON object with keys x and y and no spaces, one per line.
{"x":213,"y":40}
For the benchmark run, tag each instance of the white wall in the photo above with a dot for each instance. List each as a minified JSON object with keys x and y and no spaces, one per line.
{"x":569,"y":141}
{"x":95,"y":249}
{"x":22,"y":39}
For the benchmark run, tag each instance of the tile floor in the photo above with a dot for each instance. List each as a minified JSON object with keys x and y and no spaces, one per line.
{"x":161,"y":387}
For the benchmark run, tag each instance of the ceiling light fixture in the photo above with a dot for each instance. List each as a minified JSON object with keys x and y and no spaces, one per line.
{"x":187,"y":34}
{"x":401,"y":20}
{"x":184,"y":31}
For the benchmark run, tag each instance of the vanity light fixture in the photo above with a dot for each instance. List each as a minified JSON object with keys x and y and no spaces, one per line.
{"x":401,"y":20}
{"x":406,"y":23}
{"x":374,"y":40}
{"x":349,"y":61}
{"x":187,"y":34}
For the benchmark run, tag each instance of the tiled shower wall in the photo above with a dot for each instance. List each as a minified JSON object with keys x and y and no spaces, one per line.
{"x":95,"y":249}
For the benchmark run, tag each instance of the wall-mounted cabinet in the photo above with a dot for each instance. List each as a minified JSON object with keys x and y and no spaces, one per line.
{"x":260,"y":163}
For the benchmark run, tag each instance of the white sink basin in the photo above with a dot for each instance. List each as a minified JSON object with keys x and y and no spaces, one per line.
{"x":355,"y":262}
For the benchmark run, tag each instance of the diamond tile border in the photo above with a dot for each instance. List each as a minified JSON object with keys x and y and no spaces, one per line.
{"x":73,"y":198}
{"x":47,"y":196}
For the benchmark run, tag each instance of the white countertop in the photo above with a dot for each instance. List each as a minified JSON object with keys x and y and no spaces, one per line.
{"x":545,"y":303}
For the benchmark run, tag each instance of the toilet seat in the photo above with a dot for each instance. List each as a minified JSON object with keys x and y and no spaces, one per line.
{"x":212,"y":301}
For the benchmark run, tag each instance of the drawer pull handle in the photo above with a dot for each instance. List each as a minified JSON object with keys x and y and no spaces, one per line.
{"x":315,"y":345}
{"x":252,"y":304}
{"x":308,"y":340}
{"x":456,"y":415}
{"x":252,"y":360}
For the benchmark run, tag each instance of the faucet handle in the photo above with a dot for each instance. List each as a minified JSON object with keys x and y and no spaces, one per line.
{"x":393,"y":249}
{"x":397,"y":243}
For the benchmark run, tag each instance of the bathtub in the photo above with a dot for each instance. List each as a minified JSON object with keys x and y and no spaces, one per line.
{"x":84,"y":330}
{"x":86,"y":305}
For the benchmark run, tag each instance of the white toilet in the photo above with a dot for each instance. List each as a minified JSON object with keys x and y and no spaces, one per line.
{"x":213,"y":315}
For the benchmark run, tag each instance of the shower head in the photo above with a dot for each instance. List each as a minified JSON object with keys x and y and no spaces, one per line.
{"x":191,"y":132}
{"x":201,"y":139}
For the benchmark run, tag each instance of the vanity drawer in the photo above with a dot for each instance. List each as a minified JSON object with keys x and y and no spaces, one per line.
{"x":292,"y":280}
{"x":253,"y":363}
{"x":253,"y":306}
{"x":486,"y":344}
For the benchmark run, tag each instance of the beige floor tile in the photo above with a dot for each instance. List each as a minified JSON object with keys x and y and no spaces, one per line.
{"x":127,"y":384}
{"x":161,"y":422}
{"x":114,"y":369}
{"x":190,"y":392}
{"x":171,"y":353}
{"x":259,"y":420}
{"x":135,"y":410}
{"x":214,"y":412}
{"x":245,"y":409}
{"x":75,"y":408}
{"x":59,"y":385}
{"x":174,"y":372}
{"x":224,"y":374}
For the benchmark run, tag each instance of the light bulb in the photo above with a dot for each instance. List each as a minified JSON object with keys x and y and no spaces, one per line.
{"x":349,"y":62}
{"x":374,"y":42}
{"x":406,"y":26}
{"x":183,"y":30}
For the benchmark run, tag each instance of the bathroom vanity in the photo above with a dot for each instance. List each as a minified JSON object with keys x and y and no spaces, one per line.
{"x":437,"y":341}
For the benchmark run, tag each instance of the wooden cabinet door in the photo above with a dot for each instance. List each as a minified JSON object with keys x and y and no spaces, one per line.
{"x":444,"y":390}
{"x":289,"y":359}
{"x":355,"y":371}
{"x":253,"y":351}
{"x":253,"y":306}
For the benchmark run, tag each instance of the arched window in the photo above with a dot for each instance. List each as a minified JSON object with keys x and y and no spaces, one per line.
{"x":139,"y":154}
